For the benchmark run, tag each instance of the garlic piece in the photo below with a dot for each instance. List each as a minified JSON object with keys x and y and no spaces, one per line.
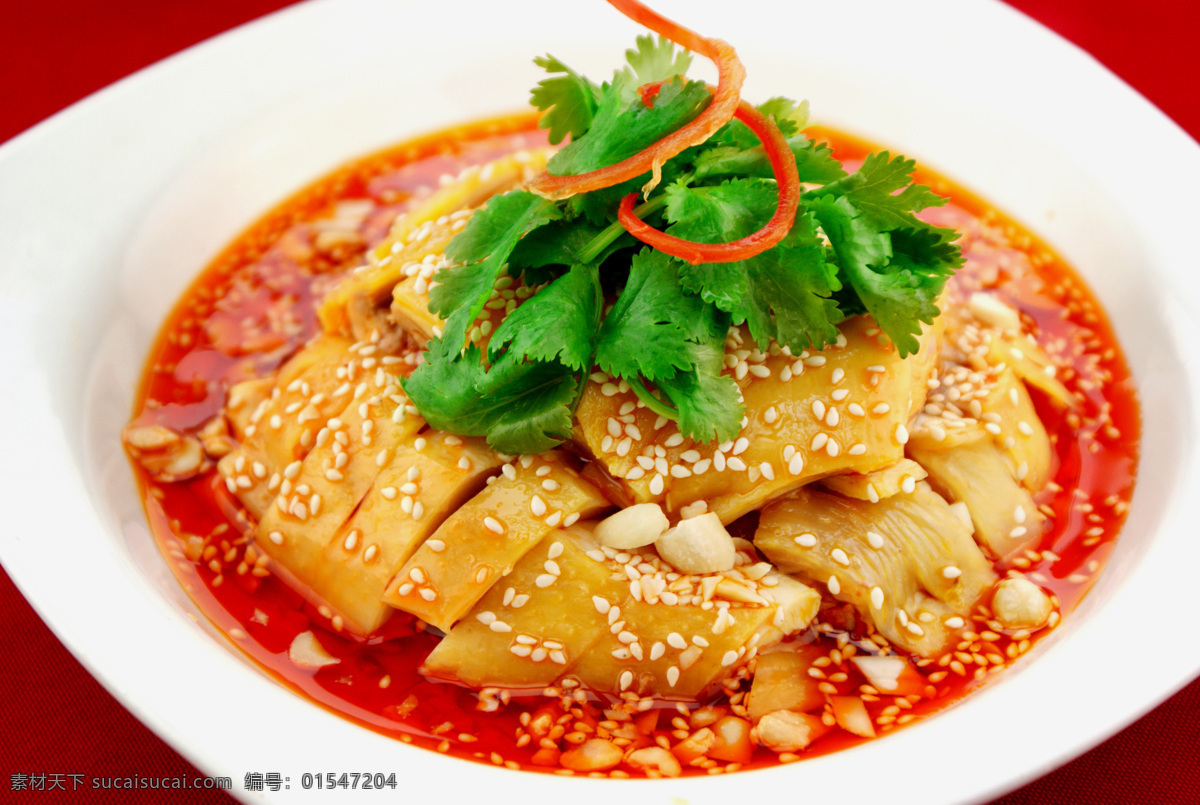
{"x":635,"y":527}
{"x":1020,"y":604}
{"x":307,"y":652}
{"x":698,"y":545}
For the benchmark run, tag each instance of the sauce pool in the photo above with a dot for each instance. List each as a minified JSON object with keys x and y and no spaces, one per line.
{"x":254,"y":305}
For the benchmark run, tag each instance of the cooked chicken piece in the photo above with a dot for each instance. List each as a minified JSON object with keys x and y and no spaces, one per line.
{"x":482,"y":541}
{"x":685,"y":649}
{"x":532,"y":626}
{"x":283,"y":426}
{"x":573,"y":607}
{"x":398,"y":270}
{"x":873,"y":486}
{"x":979,"y":474}
{"x":319,"y":493}
{"x":420,"y":484}
{"x":843,"y":409}
{"x":906,"y":563}
{"x":1031,"y":363}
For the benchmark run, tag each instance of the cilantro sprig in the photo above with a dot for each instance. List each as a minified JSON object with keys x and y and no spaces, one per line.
{"x":604,"y":300}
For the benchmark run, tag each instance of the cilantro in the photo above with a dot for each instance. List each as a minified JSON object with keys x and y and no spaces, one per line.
{"x":782,"y":294}
{"x":654,"y":59}
{"x":623,"y":125}
{"x":680,"y":348}
{"x":591,"y":298}
{"x":568,"y":101}
{"x":556,"y":324}
{"x":483,"y":248}
{"x":521,"y":407}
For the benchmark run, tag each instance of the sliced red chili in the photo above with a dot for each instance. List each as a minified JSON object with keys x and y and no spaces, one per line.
{"x":783,"y":164}
{"x":730,"y":76}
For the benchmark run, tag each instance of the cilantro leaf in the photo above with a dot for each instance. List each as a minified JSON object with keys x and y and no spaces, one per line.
{"x":882,"y":189}
{"x":561,"y":243}
{"x":815,"y":162}
{"x":899,"y":297}
{"x":709,"y":403}
{"x":679,"y":347}
{"x":656,"y":315}
{"x":483,"y":248}
{"x":782,"y":294}
{"x":558,"y":323}
{"x":623,"y":125}
{"x":566,"y":99}
{"x":654,"y":59}
{"x":521,"y":407}
{"x":789,"y":115}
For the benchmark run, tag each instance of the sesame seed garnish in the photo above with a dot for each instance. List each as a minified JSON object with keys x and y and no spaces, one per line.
{"x":877,"y":598}
{"x":834,"y":585}
{"x":874,"y":540}
{"x":951,"y":572}
{"x":537,"y":506}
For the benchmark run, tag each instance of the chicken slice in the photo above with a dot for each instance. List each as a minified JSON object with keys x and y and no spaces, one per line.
{"x":906,"y":563}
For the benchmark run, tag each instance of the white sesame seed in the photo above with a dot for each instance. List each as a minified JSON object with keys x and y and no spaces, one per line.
{"x":806,"y":540}
{"x":877,"y":598}
{"x":537,"y":506}
{"x":834,"y":585}
{"x":493,"y":525}
{"x":875,"y":540}
{"x":796,"y":464}
{"x":951,"y":572}
{"x":839,"y":556}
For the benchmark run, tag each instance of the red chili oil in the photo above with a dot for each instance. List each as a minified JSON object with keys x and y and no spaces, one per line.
{"x":267,"y":283}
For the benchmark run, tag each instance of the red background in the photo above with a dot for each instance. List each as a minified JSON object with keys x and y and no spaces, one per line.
{"x":54,"y":718}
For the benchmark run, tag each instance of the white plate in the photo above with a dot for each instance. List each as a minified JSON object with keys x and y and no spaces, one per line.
{"x":110,"y":208}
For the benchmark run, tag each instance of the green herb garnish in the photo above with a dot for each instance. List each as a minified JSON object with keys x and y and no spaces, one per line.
{"x":856,"y":246}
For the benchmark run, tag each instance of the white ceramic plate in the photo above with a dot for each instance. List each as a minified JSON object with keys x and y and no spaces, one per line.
{"x":110,"y":208}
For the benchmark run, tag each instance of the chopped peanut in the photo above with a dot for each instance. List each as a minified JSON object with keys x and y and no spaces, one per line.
{"x":695,"y":746}
{"x":786,"y":731}
{"x":656,"y":759}
{"x":594,"y":754}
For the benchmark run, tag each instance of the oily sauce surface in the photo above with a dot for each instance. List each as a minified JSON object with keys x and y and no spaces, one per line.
{"x":253,"y":306}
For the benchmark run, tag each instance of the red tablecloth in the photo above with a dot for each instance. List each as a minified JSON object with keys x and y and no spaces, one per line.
{"x":56,"y":721}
